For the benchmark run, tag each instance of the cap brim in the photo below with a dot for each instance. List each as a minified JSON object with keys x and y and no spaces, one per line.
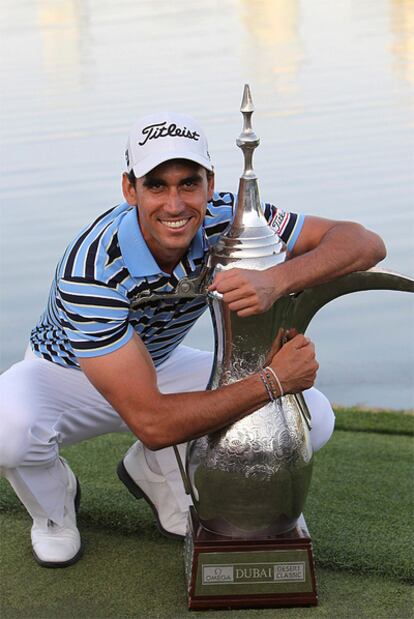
{"x":149,"y":163}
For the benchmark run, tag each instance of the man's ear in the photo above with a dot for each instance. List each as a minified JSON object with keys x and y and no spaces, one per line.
{"x":129,"y":190}
{"x":210,"y":185}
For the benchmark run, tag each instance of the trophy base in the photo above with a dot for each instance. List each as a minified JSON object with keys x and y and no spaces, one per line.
{"x":224,"y":572}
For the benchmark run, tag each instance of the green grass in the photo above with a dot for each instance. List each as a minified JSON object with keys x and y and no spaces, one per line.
{"x":384,"y":422}
{"x":359,"y":512}
{"x":130,"y":576}
{"x":360,"y":507}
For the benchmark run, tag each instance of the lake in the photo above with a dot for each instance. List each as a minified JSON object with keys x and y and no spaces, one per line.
{"x":332,"y":84}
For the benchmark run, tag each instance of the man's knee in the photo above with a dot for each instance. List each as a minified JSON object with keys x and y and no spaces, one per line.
{"x":14,"y":439}
{"x":16,"y":418}
{"x":323,"y":417}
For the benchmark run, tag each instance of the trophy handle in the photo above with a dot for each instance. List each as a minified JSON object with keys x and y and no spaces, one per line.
{"x":308,"y":302}
{"x":184,"y":476}
{"x":303,"y":409}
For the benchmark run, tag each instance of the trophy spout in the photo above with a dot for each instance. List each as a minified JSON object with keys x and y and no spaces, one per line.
{"x":307,"y":303}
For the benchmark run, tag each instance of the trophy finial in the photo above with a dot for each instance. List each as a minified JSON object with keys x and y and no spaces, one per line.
{"x":247,"y":101}
{"x":247,"y":140}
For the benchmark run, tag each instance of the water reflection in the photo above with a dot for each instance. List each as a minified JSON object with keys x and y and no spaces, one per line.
{"x":274,"y":51}
{"x":402,"y":46}
{"x":65,"y":40}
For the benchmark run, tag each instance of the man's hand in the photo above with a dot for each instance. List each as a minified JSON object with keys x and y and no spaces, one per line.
{"x":245,"y":291}
{"x":294,"y":363}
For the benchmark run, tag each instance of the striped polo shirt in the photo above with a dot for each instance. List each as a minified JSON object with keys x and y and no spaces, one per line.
{"x":88,"y":312}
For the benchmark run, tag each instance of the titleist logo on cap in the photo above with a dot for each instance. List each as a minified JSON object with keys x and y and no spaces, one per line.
{"x":161,"y":130}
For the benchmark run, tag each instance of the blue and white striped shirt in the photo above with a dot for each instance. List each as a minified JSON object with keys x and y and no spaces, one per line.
{"x":88,"y":312}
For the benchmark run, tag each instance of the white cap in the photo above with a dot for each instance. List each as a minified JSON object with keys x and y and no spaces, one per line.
{"x":163,"y":136}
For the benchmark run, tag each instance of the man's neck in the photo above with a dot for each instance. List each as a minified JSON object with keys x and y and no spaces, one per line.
{"x":167,"y":263}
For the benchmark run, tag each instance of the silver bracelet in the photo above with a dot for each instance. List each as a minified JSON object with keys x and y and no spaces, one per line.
{"x":267,"y":386}
{"x":271,"y":370}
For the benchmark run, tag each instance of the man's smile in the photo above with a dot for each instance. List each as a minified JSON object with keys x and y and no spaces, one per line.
{"x":175,"y":223}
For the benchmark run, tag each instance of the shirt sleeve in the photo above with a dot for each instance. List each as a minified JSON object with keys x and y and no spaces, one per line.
{"x":286,"y":225}
{"x":94,"y":317}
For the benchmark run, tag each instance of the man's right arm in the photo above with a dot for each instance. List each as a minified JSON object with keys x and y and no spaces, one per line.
{"x":127,"y":379}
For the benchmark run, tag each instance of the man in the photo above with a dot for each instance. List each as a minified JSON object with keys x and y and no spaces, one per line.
{"x":98,"y":363}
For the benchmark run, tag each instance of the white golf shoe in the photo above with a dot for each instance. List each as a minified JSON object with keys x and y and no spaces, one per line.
{"x":54,"y":545}
{"x":135,"y":473}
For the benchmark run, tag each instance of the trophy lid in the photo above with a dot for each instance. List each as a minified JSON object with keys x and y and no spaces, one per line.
{"x":247,"y":140}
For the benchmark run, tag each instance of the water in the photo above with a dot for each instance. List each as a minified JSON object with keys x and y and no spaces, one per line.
{"x":332,"y":84}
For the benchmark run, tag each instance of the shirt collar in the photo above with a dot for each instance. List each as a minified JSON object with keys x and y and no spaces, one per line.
{"x":137,"y":257}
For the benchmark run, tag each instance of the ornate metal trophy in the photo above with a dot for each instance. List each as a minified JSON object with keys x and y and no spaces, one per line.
{"x":247,"y":543}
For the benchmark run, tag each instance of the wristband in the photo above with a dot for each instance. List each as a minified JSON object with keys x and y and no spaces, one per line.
{"x":267,"y":386}
{"x":273,"y":373}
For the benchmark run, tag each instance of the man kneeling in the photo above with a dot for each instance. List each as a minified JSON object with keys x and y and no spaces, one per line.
{"x":97,"y":365}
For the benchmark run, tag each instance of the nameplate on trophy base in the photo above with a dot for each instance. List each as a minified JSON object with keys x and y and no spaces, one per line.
{"x":225,"y":572}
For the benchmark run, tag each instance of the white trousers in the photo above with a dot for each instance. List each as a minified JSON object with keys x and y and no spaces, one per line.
{"x":45,"y":406}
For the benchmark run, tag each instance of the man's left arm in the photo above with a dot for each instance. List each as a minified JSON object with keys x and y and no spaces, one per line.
{"x":325,"y":249}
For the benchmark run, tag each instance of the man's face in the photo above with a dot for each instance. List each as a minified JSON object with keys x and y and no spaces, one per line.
{"x":171,"y":201}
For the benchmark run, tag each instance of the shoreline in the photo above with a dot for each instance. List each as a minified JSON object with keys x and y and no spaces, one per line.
{"x":363,"y":408}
